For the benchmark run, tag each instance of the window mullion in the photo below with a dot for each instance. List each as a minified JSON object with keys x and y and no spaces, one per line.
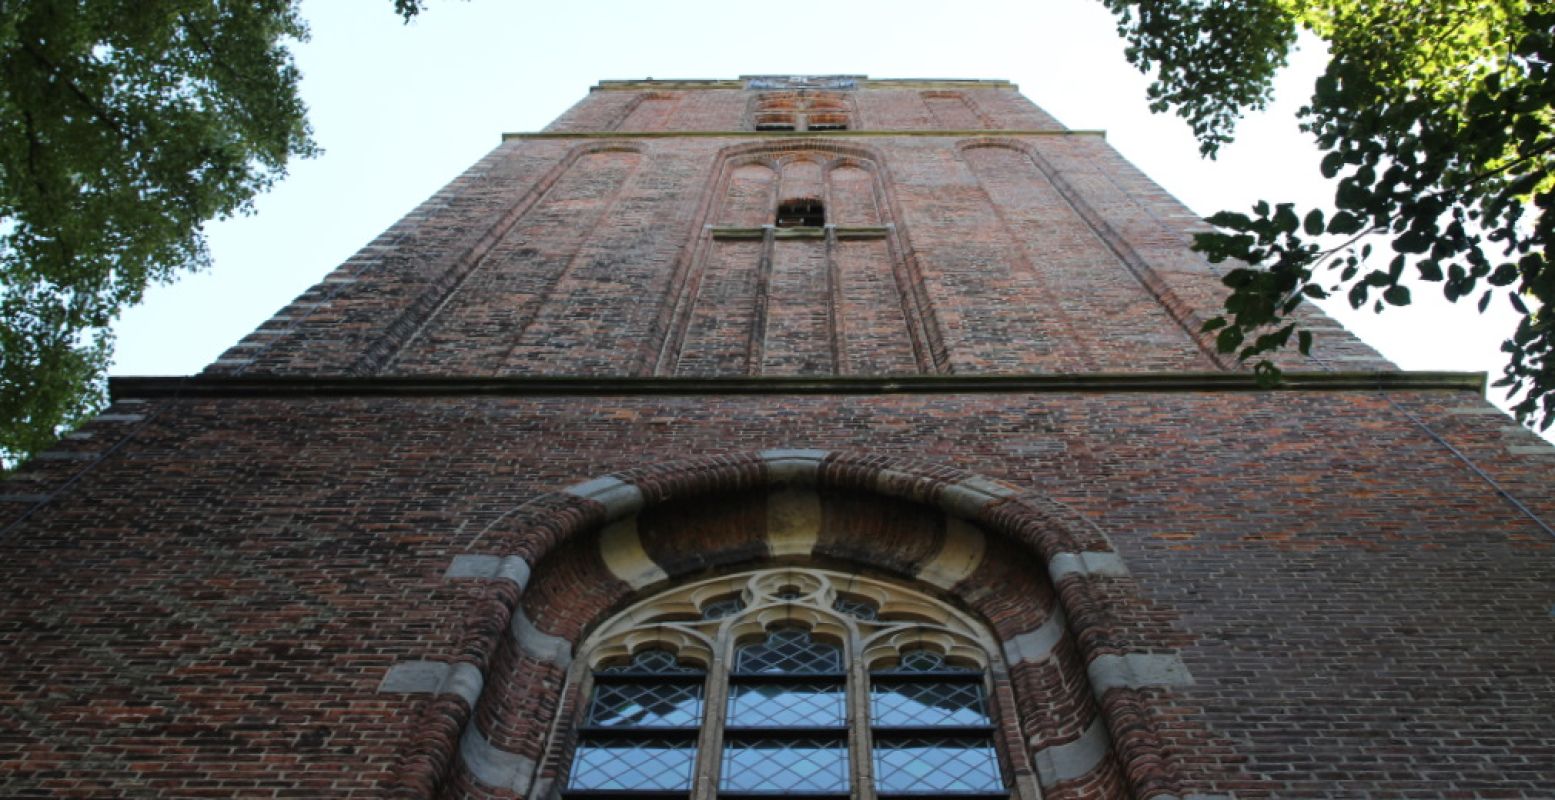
{"x":704,"y":782}
{"x":860,"y":746}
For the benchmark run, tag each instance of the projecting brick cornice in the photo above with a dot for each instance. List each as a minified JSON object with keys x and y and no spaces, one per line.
{"x":347,"y":386}
{"x":853,"y":134}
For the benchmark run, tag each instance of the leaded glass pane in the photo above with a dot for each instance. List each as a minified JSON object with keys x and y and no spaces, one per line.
{"x":937,"y":765}
{"x":785,"y":765}
{"x":662,"y":662}
{"x":647,"y":705}
{"x":788,"y":651}
{"x":927,"y":661}
{"x":762,"y":705}
{"x":718,"y":609}
{"x":645,"y":764}
{"x":917,"y":703}
{"x":857,"y":608}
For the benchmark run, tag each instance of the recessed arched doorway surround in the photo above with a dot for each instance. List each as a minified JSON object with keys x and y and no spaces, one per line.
{"x":1077,"y":693}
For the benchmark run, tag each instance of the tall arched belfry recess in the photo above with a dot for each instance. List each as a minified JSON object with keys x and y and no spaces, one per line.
{"x":781,"y":436}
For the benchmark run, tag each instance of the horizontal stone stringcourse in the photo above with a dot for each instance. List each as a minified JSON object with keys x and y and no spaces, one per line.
{"x":854,"y":134}
{"x":255,"y":386}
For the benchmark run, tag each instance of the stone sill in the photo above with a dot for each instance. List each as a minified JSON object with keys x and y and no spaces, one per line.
{"x":842,"y":232}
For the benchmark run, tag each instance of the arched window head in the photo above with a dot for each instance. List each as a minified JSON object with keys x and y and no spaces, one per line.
{"x":787,"y":681}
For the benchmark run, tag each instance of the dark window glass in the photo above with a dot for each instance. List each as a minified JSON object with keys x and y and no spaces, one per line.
{"x":661,"y":662}
{"x":940,"y":765}
{"x":801,"y":214}
{"x":641,"y":764}
{"x":921,"y":693}
{"x":641,"y":728}
{"x":786,"y":765}
{"x":718,"y":609}
{"x":857,"y":608}
{"x":646,"y":705}
{"x":782,"y":705}
{"x":917,"y":703}
{"x":775,"y":122}
{"x":928,"y":661}
{"x":788,"y":651}
{"x":788,"y":719}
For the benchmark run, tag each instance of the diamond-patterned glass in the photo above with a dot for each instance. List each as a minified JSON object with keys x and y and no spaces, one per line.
{"x":788,"y":651}
{"x":662,"y":662}
{"x":916,"y":703}
{"x":718,"y":609}
{"x":785,"y":765}
{"x":763,"y":705}
{"x":857,"y":608}
{"x":940,"y":765}
{"x":927,"y":661}
{"x":646,"y":705}
{"x":647,"y":764}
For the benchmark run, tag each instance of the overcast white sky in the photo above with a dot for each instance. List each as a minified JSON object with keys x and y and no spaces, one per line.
{"x":400,"y":110}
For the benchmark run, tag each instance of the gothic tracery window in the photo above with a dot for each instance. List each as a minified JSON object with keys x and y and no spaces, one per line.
{"x":787,"y":681}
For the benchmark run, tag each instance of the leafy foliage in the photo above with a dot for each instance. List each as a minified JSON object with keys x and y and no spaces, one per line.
{"x":1437,"y":122}
{"x":124,"y":126}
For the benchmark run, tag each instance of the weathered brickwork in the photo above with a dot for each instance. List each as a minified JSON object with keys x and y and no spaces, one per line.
{"x":357,"y":557}
{"x":1023,"y":249}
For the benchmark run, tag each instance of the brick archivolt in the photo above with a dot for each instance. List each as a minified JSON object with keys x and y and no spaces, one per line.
{"x":1045,"y":586}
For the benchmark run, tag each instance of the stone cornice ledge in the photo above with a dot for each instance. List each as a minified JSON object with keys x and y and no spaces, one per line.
{"x":349,"y":386}
{"x":979,"y":132}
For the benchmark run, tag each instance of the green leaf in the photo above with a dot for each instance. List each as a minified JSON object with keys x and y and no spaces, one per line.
{"x":1344,"y":223}
{"x":1505,"y":275}
{"x":1358,"y":295}
{"x":1396,"y":295}
{"x":1285,"y":219}
{"x":1411,"y":242}
{"x":1230,"y":219}
{"x":1228,"y":340}
{"x":1332,"y":163}
{"x":1313,"y":224}
{"x":124,"y":128}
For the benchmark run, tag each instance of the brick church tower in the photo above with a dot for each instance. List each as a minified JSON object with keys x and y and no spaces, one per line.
{"x":814,"y":436}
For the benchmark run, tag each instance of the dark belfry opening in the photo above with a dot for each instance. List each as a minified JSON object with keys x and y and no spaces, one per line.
{"x":804,"y":212}
{"x":828,"y":122}
{"x":775,"y":122}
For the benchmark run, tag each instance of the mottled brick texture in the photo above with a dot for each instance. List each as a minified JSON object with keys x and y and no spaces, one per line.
{"x":200,"y":595}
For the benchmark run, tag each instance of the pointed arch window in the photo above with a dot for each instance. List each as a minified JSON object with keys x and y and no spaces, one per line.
{"x":787,"y":681}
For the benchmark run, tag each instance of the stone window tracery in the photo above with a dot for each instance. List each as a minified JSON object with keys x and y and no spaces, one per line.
{"x":787,"y":681}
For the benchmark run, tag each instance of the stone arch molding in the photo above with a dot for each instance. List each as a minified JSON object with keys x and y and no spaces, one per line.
{"x":1067,"y":658}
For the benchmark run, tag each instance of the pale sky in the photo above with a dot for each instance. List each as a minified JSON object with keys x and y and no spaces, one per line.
{"x":401,"y":110}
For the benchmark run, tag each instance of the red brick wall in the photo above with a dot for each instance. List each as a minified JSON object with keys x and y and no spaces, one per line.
{"x":1009,"y":253}
{"x":239,"y":574}
{"x":200,"y":596}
